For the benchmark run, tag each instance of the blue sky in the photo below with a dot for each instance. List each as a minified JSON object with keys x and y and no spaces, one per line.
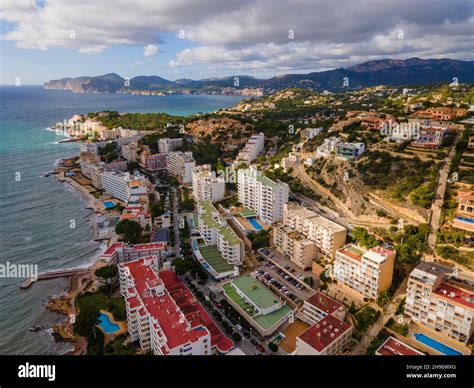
{"x":262,"y":38}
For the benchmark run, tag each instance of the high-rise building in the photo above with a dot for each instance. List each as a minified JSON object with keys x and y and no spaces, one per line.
{"x":206,"y":185}
{"x":437,"y":299}
{"x":366,"y":271}
{"x":216,"y":232}
{"x":180,"y":164}
{"x":261,"y":194}
{"x":163,"y":315}
{"x":122,"y":185}
{"x":152,"y":162}
{"x":130,"y":151}
{"x":167,"y":145}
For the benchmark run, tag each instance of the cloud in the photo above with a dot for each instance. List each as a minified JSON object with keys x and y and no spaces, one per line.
{"x":251,"y":34}
{"x":150,"y":50}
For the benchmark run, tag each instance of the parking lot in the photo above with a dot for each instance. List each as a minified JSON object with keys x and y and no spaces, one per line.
{"x":289,"y":268}
{"x":283,"y":282}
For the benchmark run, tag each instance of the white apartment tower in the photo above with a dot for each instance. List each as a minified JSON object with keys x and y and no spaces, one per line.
{"x":206,"y":185}
{"x":261,"y":194}
{"x":181,"y":164}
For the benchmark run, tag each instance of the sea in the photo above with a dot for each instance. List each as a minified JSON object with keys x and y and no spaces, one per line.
{"x":36,"y":212}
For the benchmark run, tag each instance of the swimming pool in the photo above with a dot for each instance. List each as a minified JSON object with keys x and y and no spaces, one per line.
{"x":255,"y":223}
{"x":109,"y":204}
{"x":440,"y":347}
{"x":106,"y":324}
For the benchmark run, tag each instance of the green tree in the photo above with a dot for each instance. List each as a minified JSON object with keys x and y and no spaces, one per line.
{"x":130,"y":230}
{"x":108,"y":273}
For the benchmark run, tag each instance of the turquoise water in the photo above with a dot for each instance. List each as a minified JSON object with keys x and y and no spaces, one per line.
{"x":106,"y":324}
{"x":109,"y":204}
{"x":37,"y":212}
{"x":255,"y":223}
{"x":440,"y":347}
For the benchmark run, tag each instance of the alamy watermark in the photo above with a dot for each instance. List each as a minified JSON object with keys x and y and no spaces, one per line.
{"x":12,"y":270}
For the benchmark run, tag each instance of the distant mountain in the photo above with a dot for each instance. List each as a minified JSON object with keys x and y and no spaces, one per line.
{"x":396,"y":72}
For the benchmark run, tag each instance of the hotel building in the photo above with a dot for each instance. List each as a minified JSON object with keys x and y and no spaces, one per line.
{"x":163,"y":315}
{"x":122,"y":185}
{"x":180,"y":164}
{"x":216,"y":232}
{"x":436,"y":299}
{"x":206,"y":185}
{"x":366,"y":271}
{"x":261,"y":194}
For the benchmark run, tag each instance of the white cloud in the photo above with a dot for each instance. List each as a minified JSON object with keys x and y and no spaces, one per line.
{"x":251,"y":34}
{"x":150,"y":50}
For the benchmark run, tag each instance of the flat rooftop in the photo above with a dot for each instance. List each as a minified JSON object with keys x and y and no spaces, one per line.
{"x":394,"y":347}
{"x":214,"y":258}
{"x":325,"y":332}
{"x":255,"y":291}
{"x":324,"y":303}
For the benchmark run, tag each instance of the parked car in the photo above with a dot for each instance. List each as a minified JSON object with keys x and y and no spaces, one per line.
{"x":238,"y":327}
{"x":260,"y":348}
{"x":254,"y":342}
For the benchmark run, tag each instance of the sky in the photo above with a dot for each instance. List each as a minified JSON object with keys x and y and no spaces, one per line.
{"x":51,"y":39}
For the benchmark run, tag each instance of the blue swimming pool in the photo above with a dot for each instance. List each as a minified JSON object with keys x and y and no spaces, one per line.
{"x":107,"y":325}
{"x":109,"y":204}
{"x":440,"y":347}
{"x":255,"y":223}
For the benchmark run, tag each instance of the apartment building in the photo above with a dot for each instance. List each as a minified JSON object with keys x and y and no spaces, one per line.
{"x":180,"y":164}
{"x":216,"y":232}
{"x":394,"y":347}
{"x":319,"y":306}
{"x":153,"y":316}
{"x":152,"y":162}
{"x":366,"y":271}
{"x":294,"y":245}
{"x":167,"y":145}
{"x":92,"y":168}
{"x":350,"y":151}
{"x":130,"y":151}
{"x":436,"y":299}
{"x":261,"y":194}
{"x":251,"y":150}
{"x":326,"y":234}
{"x":206,"y":185}
{"x":116,"y":165}
{"x":122,"y":185}
{"x":327,"y":337}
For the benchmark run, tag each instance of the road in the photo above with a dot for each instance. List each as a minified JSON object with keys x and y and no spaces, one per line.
{"x":437,"y":205}
{"x":176,"y":217}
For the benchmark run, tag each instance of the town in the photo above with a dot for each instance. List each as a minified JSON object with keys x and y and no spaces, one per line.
{"x":295,"y":223}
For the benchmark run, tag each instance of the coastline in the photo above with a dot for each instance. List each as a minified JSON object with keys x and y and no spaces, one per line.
{"x":65,"y":303}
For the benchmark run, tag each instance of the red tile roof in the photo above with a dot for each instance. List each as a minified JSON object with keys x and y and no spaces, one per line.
{"x":162,"y":307}
{"x":193,"y":310}
{"x":325,"y":332}
{"x":393,"y":347}
{"x":324,"y":303}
